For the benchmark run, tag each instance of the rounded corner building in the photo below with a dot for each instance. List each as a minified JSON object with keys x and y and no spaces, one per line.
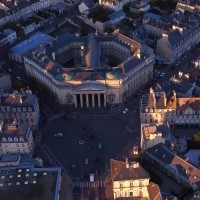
{"x":92,"y":70}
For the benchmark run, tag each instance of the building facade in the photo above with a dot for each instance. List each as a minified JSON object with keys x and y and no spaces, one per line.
{"x":114,"y":4}
{"x":156,"y":108}
{"x":179,"y":168}
{"x":91,"y":71}
{"x":5,"y":82}
{"x":16,"y":139}
{"x":130,"y":180}
{"x":22,"y":107}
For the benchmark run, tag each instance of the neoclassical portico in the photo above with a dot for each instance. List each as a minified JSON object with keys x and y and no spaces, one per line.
{"x":90,"y":95}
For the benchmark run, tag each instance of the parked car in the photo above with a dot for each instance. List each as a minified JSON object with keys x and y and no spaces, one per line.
{"x":91,"y":178}
{"x":77,"y":191}
{"x":74,"y":168}
{"x":88,"y":148}
{"x":18,"y":78}
{"x":9,"y":70}
{"x":58,"y":135}
{"x":125,"y":110}
{"x":86,"y":161}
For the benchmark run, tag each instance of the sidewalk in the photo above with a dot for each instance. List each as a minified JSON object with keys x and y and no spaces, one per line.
{"x":66,"y":189}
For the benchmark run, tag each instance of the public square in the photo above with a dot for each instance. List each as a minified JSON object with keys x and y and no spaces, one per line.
{"x":102,"y":138}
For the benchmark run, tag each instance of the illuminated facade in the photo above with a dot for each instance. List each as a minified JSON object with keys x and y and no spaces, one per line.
{"x":91,"y":71}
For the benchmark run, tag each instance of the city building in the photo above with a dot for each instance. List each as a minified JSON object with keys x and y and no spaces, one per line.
{"x":28,"y":182}
{"x":152,"y":135}
{"x":181,"y":84}
{"x":179,"y":168}
{"x":157,"y":108}
{"x":114,"y":4}
{"x":5,"y":82}
{"x":179,"y":40}
{"x":130,"y":181}
{"x":92,"y":70}
{"x":28,"y":26}
{"x":140,"y":6}
{"x":13,"y":11}
{"x":20,"y":106}
{"x":188,"y":5}
{"x":7,"y":37}
{"x":17,"y":52}
{"x":16,"y":138}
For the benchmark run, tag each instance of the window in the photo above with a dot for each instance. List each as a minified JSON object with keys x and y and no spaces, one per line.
{"x":111,"y":97}
{"x":131,"y":184}
{"x":140,"y":193}
{"x":68,"y":98}
{"x":121,"y":184}
{"x":131,"y":194}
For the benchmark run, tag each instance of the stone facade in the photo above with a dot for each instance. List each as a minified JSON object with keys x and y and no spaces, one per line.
{"x":22,"y":107}
{"x":91,"y":81}
{"x":156,"y":108}
{"x":16,"y":139}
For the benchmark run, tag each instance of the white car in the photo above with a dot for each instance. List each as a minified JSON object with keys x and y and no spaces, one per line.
{"x":18,"y":78}
{"x":58,"y":135}
{"x":91,"y":178}
{"x":125,"y":110}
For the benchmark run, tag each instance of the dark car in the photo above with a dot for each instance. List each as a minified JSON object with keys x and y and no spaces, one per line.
{"x":74,"y":168}
{"x":88,"y":148}
{"x":93,"y":138}
{"x":77,"y":191}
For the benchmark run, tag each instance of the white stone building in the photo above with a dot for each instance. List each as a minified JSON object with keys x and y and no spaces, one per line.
{"x":16,"y":139}
{"x":156,"y":108}
{"x":22,"y":107}
{"x":105,"y":69}
{"x":130,"y":181}
{"x":179,"y":168}
{"x":114,"y":4}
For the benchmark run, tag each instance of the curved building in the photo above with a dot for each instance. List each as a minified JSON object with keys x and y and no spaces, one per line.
{"x":91,"y":71}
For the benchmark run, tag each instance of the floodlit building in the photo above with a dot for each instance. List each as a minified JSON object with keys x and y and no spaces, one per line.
{"x":157,"y":108}
{"x":91,"y":71}
{"x":129,"y":180}
{"x":16,"y":139}
{"x":22,"y":107}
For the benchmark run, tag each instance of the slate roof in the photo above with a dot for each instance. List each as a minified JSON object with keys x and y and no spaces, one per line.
{"x":185,"y":103}
{"x":14,"y":130}
{"x":152,"y":16}
{"x":120,"y":172}
{"x":166,"y":156}
{"x":117,"y":14}
{"x":15,"y":100}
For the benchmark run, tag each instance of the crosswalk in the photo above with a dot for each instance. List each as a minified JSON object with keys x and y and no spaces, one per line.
{"x":56,"y":116}
{"x":87,"y":184}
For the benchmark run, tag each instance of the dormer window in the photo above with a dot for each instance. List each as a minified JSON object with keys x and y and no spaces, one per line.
{"x":15,"y":139}
{"x":4,"y":139}
{"x":19,"y":109}
{"x":24,"y":109}
{"x":10,"y":139}
{"x":21,"y":139}
{"x":29,"y":109}
{"x":14,"y":109}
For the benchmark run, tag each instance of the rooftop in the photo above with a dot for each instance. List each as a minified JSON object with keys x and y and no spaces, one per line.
{"x":31,"y":43}
{"x":29,"y":183}
{"x":181,"y":164}
{"x":119,"y":171}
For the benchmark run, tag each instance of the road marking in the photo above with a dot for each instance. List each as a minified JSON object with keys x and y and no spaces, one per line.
{"x":56,"y":116}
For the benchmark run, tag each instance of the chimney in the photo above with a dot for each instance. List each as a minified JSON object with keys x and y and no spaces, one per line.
{"x":20,"y":99}
{"x":126,"y":162}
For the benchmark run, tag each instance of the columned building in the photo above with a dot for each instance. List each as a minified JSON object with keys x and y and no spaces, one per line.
{"x":90,"y":71}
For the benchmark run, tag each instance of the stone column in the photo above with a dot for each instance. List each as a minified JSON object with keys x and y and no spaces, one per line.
{"x":93,"y":103}
{"x":75,"y":100}
{"x":104,"y":100}
{"x":99,"y":101}
{"x":81,"y":100}
{"x":87,"y":100}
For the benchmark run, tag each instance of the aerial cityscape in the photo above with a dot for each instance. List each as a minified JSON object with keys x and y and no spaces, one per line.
{"x":100,"y":100}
